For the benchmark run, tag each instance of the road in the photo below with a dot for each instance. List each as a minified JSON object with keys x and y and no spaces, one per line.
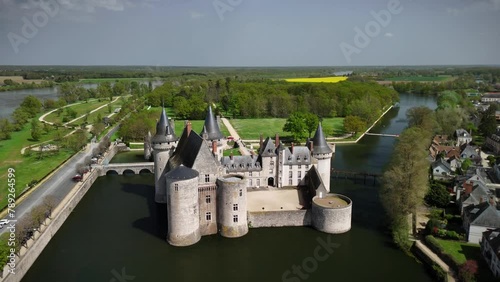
{"x":243,"y":150}
{"x":59,"y":184}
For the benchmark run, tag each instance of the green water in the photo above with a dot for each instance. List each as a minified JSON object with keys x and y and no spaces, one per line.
{"x":118,"y":228}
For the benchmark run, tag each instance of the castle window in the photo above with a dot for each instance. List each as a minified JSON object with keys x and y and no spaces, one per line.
{"x":307,"y":167}
{"x":241,"y":193}
{"x":235,"y":218}
{"x":176,"y":187}
{"x":250,"y":174}
{"x":208,"y":199}
{"x":290,"y":167}
{"x":271,"y":171}
{"x":290,"y":174}
{"x":208,"y":216}
{"x":290,"y":181}
{"x":207,"y":177}
{"x":300,"y":175}
{"x":258,"y":182}
{"x":271,"y":163}
{"x":300,"y":166}
{"x":235,"y":207}
{"x":250,"y":182}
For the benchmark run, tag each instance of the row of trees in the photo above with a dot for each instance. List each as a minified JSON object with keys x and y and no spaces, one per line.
{"x":28,"y":109}
{"x":274,"y":98}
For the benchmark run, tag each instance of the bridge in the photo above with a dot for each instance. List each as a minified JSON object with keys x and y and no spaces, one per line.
{"x":125,"y":168}
{"x":382,"y":134}
{"x":355,"y":175}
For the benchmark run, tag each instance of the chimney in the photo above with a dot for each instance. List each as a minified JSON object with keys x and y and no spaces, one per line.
{"x":311,"y":146}
{"x":492,"y":201}
{"x":291,"y":148}
{"x":481,"y":200}
{"x":172,"y":123}
{"x":214,"y":147}
{"x":231,"y":156}
{"x":261,"y":141}
{"x":467,"y":188}
{"x":189,"y":126}
{"x":277,"y":140}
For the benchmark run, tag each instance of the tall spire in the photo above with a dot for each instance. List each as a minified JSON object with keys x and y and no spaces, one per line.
{"x":164,"y":132}
{"x":211,"y":128}
{"x":319,"y":142}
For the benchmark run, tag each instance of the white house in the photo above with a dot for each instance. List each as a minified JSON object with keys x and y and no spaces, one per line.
{"x":478,"y":219}
{"x":490,"y":249}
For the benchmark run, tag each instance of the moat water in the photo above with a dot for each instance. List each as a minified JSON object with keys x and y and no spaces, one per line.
{"x":118,"y":232}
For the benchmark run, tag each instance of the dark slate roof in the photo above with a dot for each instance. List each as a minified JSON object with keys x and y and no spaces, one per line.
{"x":268,"y":148}
{"x":300,"y":156}
{"x":192,"y":150}
{"x":164,"y":132}
{"x":313,"y":181}
{"x":468,"y":151}
{"x":319,"y":142}
{"x":442,"y":162}
{"x":483,"y":214}
{"x":182,"y":172}
{"x":479,"y":190}
{"x":241,"y":163}
{"x":211,"y":128}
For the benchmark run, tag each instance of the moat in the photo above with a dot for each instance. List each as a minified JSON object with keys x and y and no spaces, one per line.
{"x":118,"y":228}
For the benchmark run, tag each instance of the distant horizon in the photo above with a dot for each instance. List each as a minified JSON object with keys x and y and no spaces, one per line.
{"x":247,"y":66}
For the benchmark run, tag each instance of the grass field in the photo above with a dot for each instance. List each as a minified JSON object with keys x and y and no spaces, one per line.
{"x":104,"y":112}
{"x":27,"y":168}
{"x":250,"y":129}
{"x":332,"y":79}
{"x":80,"y":109}
{"x":19,"y":79}
{"x":419,"y":78}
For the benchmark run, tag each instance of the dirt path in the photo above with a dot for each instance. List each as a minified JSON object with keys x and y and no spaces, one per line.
{"x":243,"y":150}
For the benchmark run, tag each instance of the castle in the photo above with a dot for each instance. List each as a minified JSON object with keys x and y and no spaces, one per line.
{"x":207,"y":193}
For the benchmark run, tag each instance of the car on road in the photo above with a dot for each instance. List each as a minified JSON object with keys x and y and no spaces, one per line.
{"x":77,"y":177}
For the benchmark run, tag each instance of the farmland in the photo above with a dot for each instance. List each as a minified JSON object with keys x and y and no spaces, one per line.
{"x":419,"y":78}
{"x":18,"y":79}
{"x":332,"y":79}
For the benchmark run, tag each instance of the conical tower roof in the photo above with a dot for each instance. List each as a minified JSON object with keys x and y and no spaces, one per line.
{"x":319,"y":142}
{"x":164,"y":132}
{"x":211,"y":128}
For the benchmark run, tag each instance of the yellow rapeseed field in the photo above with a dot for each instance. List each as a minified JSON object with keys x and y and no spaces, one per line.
{"x":332,"y":79}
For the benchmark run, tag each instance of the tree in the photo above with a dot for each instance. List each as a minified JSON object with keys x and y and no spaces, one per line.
{"x":466,"y":163}
{"x":5,"y":128}
{"x":354,"y":124}
{"x":488,"y":124}
{"x":49,"y":203}
{"x":312,"y":121}
{"x":422,"y":117}
{"x":4,"y":249}
{"x":31,"y":105}
{"x":468,"y":271}
{"x":296,"y":125}
{"x":438,"y":196}
{"x":35,"y":129}
{"x":405,"y":182}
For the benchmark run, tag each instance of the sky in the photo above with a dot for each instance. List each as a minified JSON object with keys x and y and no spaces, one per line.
{"x":250,"y":32}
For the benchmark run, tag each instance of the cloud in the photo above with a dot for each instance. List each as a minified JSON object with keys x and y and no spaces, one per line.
{"x":196,"y":15}
{"x":388,"y":34}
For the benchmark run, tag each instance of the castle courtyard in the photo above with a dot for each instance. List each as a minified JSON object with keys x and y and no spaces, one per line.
{"x":273,"y":200}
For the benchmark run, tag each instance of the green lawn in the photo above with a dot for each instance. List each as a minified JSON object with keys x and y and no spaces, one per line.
{"x":250,"y":129}
{"x":235,"y":152}
{"x":418,"y":78}
{"x":80,"y":109}
{"x":104,"y":112}
{"x":27,"y":168}
{"x":465,"y":251}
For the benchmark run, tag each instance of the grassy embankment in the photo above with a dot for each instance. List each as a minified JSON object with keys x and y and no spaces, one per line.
{"x":80,"y":109}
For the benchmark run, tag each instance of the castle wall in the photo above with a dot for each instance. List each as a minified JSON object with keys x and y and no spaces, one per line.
{"x":183,"y":212}
{"x":207,"y":202}
{"x":332,"y":220}
{"x":232,"y":206}
{"x":279,"y":218}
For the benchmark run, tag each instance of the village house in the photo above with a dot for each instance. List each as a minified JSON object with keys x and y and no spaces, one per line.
{"x":462,"y":137}
{"x":479,"y":218}
{"x":490,"y":97}
{"x":441,"y":169}
{"x":490,"y":249}
{"x":493,"y":143}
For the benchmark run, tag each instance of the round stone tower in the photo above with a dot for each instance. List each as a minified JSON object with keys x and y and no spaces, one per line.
{"x":183,"y":213}
{"x":211,"y":132}
{"x":322,"y":152}
{"x":232,"y":206}
{"x":332,"y":213}
{"x":163,"y":144}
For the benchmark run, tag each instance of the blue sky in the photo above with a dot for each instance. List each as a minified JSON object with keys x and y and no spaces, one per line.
{"x":248,"y":32}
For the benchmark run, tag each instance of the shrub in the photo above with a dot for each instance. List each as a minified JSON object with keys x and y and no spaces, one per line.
{"x":432,"y":224}
{"x":467,"y":271}
{"x":436,"y":214}
{"x":452,"y":235}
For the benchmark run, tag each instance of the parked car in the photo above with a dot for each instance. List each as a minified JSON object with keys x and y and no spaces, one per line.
{"x":77,"y":177}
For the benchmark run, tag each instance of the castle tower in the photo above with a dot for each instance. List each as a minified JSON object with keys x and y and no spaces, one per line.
{"x":147,"y":146}
{"x":211,"y":132}
{"x":163,"y":144}
{"x":183,"y":213}
{"x":322,"y":152}
{"x":232,"y":206}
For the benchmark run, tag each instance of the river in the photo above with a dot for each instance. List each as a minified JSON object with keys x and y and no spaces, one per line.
{"x":10,"y":100}
{"x":117,"y":230}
